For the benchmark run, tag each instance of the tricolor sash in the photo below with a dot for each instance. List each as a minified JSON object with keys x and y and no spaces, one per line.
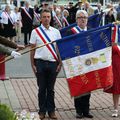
{"x":58,"y":21}
{"x":8,"y":16}
{"x":36,"y":16}
{"x":26,"y":12}
{"x":76,"y":29}
{"x":44,"y":37}
{"x":65,"y":20}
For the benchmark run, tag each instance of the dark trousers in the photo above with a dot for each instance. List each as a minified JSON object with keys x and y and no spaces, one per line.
{"x":46,"y":77}
{"x":82,"y":104}
{"x":26,"y":38}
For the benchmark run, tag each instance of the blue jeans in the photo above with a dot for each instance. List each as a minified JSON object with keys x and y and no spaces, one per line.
{"x":46,"y":77}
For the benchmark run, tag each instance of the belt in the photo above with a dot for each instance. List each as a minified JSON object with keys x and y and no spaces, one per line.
{"x":45,"y":60}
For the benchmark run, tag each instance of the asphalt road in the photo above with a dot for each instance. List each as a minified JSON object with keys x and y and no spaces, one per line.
{"x":21,"y":67}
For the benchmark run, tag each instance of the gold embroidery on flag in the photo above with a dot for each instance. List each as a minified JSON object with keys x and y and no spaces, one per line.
{"x":102,"y":58}
{"x":77,"y":50}
{"x":94,"y":60}
{"x":104,"y":37}
{"x":97,"y":77}
{"x":70,"y":67}
{"x":84,"y":78}
{"x":89,"y":43}
{"x":88,"y":62}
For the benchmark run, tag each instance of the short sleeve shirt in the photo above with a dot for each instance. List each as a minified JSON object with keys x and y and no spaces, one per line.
{"x":43,"y":53}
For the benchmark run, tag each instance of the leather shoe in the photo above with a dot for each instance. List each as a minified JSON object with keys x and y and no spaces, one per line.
{"x":41,"y":116}
{"x":52,"y":115}
{"x":88,"y":115}
{"x":79,"y":115}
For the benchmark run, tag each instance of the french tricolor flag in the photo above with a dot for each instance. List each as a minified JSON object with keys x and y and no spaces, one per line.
{"x":86,"y":59}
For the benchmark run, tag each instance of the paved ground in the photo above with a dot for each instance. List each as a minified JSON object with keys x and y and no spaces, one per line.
{"x":21,"y":94}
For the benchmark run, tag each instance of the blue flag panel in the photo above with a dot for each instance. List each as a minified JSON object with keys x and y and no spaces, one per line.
{"x":94,"y":20}
{"x":85,"y":42}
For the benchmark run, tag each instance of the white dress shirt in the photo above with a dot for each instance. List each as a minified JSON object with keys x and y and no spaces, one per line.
{"x":85,"y":29}
{"x":43,"y":53}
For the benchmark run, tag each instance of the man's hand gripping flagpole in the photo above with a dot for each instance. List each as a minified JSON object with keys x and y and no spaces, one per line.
{"x":22,"y":53}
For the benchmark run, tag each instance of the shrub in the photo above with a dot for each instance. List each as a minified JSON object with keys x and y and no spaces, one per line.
{"x":6,"y":113}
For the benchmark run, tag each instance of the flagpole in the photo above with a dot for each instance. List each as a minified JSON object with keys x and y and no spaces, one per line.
{"x":10,"y":57}
{"x":104,"y":13}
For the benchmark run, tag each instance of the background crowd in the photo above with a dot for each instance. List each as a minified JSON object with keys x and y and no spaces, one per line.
{"x":24,"y":19}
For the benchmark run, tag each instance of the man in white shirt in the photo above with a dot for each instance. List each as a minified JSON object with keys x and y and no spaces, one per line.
{"x":45,"y":64}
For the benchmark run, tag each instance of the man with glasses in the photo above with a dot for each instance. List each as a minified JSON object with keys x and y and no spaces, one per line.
{"x":81,"y":102}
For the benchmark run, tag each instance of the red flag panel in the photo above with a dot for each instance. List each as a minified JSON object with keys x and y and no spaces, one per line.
{"x":81,"y":84}
{"x":2,"y":67}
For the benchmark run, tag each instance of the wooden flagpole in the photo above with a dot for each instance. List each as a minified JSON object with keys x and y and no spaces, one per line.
{"x":10,"y":58}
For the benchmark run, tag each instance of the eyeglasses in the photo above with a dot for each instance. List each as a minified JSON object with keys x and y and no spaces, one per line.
{"x":82,"y":17}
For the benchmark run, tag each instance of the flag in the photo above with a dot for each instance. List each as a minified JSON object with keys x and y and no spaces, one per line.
{"x":93,"y":22}
{"x":2,"y":67}
{"x":86,"y":59}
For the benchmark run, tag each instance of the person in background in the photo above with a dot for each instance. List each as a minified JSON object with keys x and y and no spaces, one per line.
{"x":57,"y":20}
{"x":43,"y":6}
{"x":118,"y":12}
{"x":36,"y":20}
{"x":8,"y":23}
{"x":99,"y":9}
{"x":1,"y":31}
{"x":52,"y":15}
{"x":109,"y":17}
{"x":72,"y":11}
{"x":80,"y":5}
{"x":62,"y":8}
{"x":45,"y":64}
{"x":82,"y":102}
{"x":65,"y":18}
{"x":27,"y":15}
{"x":115,"y":89}
{"x":118,"y":8}
{"x":18,"y":24}
{"x":88,"y":8}
{"x":109,"y":7}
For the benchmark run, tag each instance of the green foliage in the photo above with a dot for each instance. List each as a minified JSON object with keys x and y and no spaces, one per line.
{"x":6,"y":113}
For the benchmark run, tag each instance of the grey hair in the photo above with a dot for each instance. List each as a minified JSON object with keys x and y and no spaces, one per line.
{"x":27,"y":2}
{"x":65,"y":11}
{"x":81,"y":11}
